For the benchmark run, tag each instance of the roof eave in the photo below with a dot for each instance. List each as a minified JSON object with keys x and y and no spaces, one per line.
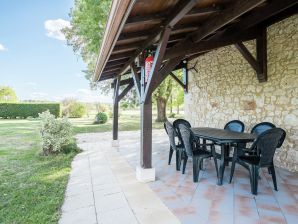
{"x":118,"y":15}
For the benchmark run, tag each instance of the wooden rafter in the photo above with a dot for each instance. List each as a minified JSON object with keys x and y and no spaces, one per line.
{"x":136,"y":79}
{"x":262,"y":56}
{"x":190,"y":48}
{"x":183,"y":7}
{"x":158,"y":17}
{"x":125,"y":91}
{"x":158,"y":58}
{"x":123,"y":82}
{"x":229,"y":14}
{"x":177,"y":80}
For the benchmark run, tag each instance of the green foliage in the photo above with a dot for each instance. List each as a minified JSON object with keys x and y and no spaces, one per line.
{"x":101,"y":118}
{"x":7,"y":95}
{"x":24,"y":110}
{"x":172,"y":115}
{"x":77,"y":110}
{"x":88,"y":20}
{"x":72,"y":108}
{"x":32,"y":186}
{"x":55,"y":133}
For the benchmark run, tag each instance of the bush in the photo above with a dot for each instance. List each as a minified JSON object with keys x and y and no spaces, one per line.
{"x":73,"y":109}
{"x":101,"y":118}
{"x":77,"y":110}
{"x":55,"y":133}
{"x":172,"y":115}
{"x":25,"y":110}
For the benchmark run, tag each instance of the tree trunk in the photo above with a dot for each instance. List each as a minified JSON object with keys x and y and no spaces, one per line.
{"x":177,"y":109}
{"x":161,"y":110}
{"x":171,"y":104}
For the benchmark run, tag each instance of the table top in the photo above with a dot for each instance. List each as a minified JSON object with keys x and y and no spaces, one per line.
{"x":222,"y":136}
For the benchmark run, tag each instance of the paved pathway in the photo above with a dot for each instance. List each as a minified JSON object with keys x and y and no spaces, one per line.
{"x":102,"y":189}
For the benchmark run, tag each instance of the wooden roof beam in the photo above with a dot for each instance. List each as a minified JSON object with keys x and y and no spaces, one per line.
{"x":183,"y":7}
{"x":225,"y":17}
{"x":158,"y":17}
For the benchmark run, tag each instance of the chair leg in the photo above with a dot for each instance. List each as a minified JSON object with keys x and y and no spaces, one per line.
{"x":233,"y":164}
{"x":272,"y":169}
{"x":170,"y":155}
{"x":255,"y":177}
{"x":178,"y":160}
{"x":214,"y":158}
{"x":196,"y":169}
{"x":201,"y":166}
{"x":184,"y":164}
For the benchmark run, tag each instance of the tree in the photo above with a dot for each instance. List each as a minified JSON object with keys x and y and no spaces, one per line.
{"x":161,"y":95}
{"x":88,"y":19}
{"x":7,"y":94}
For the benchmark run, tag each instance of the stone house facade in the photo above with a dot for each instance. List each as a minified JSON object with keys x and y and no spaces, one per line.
{"x":225,"y":87}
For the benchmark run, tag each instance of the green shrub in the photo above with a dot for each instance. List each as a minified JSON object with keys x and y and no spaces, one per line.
{"x":72,"y":108}
{"x":172,"y":115}
{"x":101,"y":118}
{"x":26,"y":110}
{"x":56,"y":134}
{"x":77,"y":110}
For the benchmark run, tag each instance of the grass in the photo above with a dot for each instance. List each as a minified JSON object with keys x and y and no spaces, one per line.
{"x":32,"y":186}
{"x":129,"y":120}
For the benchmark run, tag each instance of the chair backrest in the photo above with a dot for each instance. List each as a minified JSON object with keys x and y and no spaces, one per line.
{"x":171,"y":133}
{"x":266,"y":144}
{"x":187,"y":139}
{"x":261,"y":127}
{"x":235,"y":125}
{"x":176,"y":124}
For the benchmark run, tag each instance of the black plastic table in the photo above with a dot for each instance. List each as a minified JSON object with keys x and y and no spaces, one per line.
{"x":223,"y":138}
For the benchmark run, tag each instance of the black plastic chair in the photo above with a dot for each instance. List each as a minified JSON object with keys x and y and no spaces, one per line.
{"x":235,"y":125}
{"x":171,"y":132}
{"x":196,"y":151}
{"x":176,"y":126}
{"x":261,"y":127}
{"x":263,"y":152}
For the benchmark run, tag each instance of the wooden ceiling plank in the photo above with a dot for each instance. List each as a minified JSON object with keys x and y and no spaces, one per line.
{"x":184,"y":6}
{"x":226,"y":16}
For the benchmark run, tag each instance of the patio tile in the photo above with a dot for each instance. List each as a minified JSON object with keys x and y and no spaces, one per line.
{"x":119,"y":198}
{"x":80,"y":216}
{"x":121,"y":215}
{"x":78,"y":201}
{"x":109,"y":202}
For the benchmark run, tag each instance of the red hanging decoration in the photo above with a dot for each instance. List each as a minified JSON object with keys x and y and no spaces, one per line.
{"x":148,"y":65}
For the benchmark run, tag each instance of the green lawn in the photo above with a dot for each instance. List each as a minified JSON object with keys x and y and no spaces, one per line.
{"x":32,"y":186}
{"x":129,"y":120}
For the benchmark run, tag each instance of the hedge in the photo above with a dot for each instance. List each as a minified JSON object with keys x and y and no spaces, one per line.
{"x":24,"y":110}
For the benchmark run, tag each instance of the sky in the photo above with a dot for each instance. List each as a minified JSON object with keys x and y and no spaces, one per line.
{"x":34,"y":57}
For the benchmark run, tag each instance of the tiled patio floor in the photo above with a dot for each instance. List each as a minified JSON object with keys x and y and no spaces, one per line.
{"x":205,"y":202}
{"x":103,"y":189}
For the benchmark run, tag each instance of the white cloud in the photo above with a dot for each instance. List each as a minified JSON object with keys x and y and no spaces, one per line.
{"x":54,"y":28}
{"x":2,"y":48}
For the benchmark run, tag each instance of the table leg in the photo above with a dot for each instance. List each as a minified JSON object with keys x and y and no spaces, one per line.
{"x":227,"y":154}
{"x":222,"y":165}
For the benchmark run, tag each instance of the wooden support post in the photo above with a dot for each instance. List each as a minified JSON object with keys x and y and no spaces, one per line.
{"x":262,"y":56}
{"x":115,"y":111}
{"x":259,"y":64}
{"x":185,"y":77}
{"x":146,"y":135}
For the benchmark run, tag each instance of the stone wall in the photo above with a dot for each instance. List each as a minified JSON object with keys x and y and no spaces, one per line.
{"x":226,"y":88}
